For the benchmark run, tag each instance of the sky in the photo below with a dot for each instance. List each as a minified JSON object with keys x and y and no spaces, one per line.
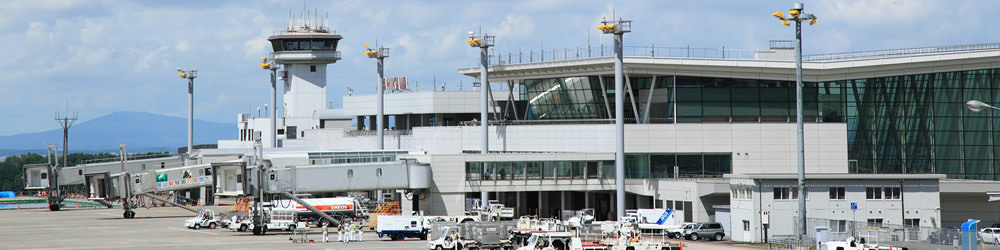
{"x":96,"y":57}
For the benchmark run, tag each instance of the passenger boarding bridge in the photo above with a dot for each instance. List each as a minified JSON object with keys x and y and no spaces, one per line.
{"x":284,"y":173}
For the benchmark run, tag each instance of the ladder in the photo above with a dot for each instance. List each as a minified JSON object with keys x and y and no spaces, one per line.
{"x":385,"y":208}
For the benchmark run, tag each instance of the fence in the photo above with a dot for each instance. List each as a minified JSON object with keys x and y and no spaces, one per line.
{"x":913,"y":237}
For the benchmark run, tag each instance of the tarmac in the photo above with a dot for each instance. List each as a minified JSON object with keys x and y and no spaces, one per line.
{"x":153,"y":228}
{"x":163,"y":228}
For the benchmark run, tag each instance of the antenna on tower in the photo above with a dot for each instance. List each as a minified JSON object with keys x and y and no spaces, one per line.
{"x":66,"y":122}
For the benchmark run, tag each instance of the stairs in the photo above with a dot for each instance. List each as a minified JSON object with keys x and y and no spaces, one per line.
{"x":242,"y":205}
{"x":386,"y":208}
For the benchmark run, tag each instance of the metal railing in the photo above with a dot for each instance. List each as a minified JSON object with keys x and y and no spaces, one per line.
{"x":900,"y":52}
{"x":356,"y":133}
{"x":130,"y":157}
{"x":543,"y":55}
{"x":651,"y":51}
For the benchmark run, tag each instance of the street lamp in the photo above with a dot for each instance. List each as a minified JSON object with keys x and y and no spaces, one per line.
{"x":378,"y":54}
{"x":483,"y":42}
{"x":269,"y":64}
{"x":190,"y":75}
{"x":977,"y":106}
{"x":618,"y":28}
{"x":796,"y":15}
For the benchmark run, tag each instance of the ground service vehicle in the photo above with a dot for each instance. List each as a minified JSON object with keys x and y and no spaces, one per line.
{"x":548,"y":241}
{"x":399,"y":227}
{"x":852,"y":244}
{"x":578,"y":217}
{"x":278,"y":220}
{"x":440,"y":235}
{"x":340,"y":208}
{"x":205,"y":218}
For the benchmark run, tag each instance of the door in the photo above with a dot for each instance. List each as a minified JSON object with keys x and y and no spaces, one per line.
{"x":36,"y":178}
{"x":230,"y":181}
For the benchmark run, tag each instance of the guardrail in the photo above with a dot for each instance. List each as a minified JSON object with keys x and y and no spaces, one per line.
{"x":130,"y":157}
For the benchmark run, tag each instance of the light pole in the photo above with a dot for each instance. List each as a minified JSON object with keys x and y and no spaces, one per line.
{"x":484,"y":42}
{"x":190,"y":75}
{"x":618,"y":28}
{"x":977,"y":106}
{"x":796,"y":15}
{"x":268,"y":64}
{"x":379,"y":54}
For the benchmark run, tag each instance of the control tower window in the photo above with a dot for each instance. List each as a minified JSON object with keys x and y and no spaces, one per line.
{"x":304,"y":44}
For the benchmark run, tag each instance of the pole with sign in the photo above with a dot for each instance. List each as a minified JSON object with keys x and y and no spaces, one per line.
{"x":854,"y":218}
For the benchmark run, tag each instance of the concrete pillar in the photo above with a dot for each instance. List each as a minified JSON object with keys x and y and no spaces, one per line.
{"x":541,"y":205}
{"x":519,"y":207}
{"x":562,"y":201}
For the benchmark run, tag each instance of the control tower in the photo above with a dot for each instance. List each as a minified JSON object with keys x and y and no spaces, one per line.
{"x":304,"y":50}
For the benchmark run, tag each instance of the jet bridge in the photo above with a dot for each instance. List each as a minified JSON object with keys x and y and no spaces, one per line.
{"x":346,"y":177}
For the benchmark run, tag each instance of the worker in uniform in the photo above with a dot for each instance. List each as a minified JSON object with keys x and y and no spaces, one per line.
{"x":348,"y":234}
{"x":361,"y":232}
{"x":325,"y":239}
{"x":340,"y":232}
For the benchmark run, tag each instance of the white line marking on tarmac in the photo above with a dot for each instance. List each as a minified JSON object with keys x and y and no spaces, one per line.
{"x":191,"y":230}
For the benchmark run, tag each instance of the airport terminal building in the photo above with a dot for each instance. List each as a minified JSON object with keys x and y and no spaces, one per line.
{"x":711,"y":135}
{"x":887,"y":116}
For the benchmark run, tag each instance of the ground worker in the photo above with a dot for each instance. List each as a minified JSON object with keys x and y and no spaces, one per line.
{"x":361,"y":232}
{"x":347,"y":233}
{"x":340,"y":232}
{"x":325,"y":239}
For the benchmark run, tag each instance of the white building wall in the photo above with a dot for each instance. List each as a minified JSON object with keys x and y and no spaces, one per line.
{"x":304,"y":94}
{"x":423,"y":102}
{"x":920,"y":200}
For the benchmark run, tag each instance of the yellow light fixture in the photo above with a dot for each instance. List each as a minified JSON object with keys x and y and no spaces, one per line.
{"x":779,"y":15}
{"x":265,"y":65}
{"x":814,"y":21}
{"x":263,"y":58}
{"x":182,"y":75}
{"x":785,"y":22}
{"x":794,"y":13}
{"x":366,"y":46}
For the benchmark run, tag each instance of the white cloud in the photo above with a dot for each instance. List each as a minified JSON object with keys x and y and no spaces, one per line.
{"x":871,"y":12}
{"x":182,"y":46}
{"x":69,"y":50}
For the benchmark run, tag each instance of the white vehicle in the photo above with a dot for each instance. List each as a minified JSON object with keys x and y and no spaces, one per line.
{"x":205,"y":218}
{"x":399,"y":227}
{"x":491,"y":210}
{"x":445,"y":238}
{"x":678,"y":232}
{"x":550,"y":241}
{"x":279,"y":220}
{"x":990,"y":235}
{"x":852,"y":244}
{"x":579,"y":217}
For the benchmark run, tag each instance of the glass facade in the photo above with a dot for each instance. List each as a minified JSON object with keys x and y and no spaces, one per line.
{"x":636,"y":166}
{"x":897,"y":124}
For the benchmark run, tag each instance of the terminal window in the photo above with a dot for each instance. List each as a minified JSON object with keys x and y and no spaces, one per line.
{"x":838,"y":193}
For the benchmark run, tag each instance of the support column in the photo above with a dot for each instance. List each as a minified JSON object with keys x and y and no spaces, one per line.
{"x":562,"y":203}
{"x":518,"y":203}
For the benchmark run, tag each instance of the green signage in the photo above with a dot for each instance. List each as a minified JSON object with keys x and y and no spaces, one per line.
{"x":161,"y":177}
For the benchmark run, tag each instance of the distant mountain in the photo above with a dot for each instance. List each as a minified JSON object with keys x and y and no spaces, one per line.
{"x":140,"y":131}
